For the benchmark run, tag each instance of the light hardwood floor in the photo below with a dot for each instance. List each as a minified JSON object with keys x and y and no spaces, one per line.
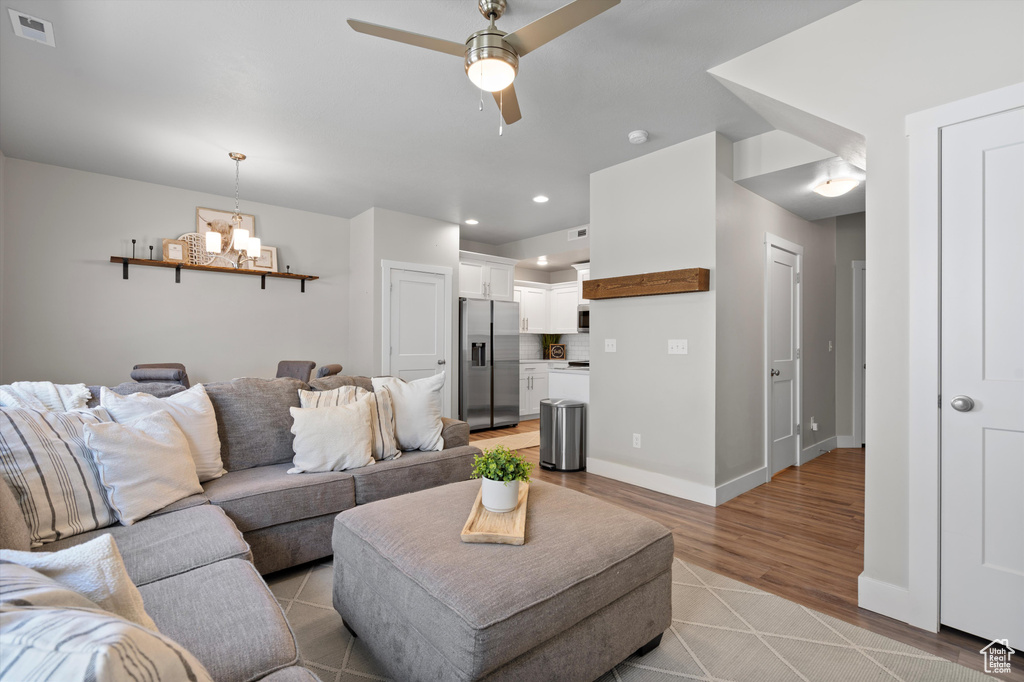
{"x":801,"y":536}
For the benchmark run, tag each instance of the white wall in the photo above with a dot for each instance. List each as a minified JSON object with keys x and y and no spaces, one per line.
{"x":910,"y":56}
{"x":650,"y":214}
{"x":378,"y":235}
{"x":68,"y":316}
{"x":546,"y":245}
{"x":849,"y":247}
{"x":743,"y":220}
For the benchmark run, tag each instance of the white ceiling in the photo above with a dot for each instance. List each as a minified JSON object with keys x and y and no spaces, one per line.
{"x":791,"y":188}
{"x":336,"y":122}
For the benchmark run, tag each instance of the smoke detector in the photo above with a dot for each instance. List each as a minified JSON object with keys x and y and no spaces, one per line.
{"x":32,"y":28}
{"x":638,"y":137}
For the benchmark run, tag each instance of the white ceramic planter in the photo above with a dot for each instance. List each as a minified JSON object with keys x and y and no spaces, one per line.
{"x":498,"y":496}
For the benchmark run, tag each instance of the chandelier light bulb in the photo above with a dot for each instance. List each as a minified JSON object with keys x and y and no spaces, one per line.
{"x":836,"y":188}
{"x":213,"y":241}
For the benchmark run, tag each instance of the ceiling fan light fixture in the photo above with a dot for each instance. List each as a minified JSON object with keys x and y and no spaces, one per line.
{"x":836,"y":188}
{"x":491,"y":69}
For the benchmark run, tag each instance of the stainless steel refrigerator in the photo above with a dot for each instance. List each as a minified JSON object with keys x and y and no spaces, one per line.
{"x":488,"y":363}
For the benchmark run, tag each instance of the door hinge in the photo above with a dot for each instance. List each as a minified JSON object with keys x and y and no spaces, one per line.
{"x":797,"y":353}
{"x":798,"y":278}
{"x":940,"y":402}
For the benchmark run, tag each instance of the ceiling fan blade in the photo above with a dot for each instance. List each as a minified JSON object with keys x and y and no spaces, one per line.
{"x":509,"y":104}
{"x":562,"y":20}
{"x":409,"y":38}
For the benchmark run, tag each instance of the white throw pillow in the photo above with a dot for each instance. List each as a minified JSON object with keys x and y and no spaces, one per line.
{"x":84,"y":645}
{"x":21,"y":586}
{"x":382,"y":415}
{"x":417,"y":411}
{"x":192,"y":412}
{"x":331,"y":438}
{"x":52,"y":472}
{"x":93,"y":570}
{"x":144,"y":464}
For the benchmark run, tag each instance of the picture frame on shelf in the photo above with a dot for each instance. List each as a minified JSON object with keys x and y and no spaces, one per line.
{"x":215,"y":220}
{"x":175,"y":250}
{"x":267,"y":261}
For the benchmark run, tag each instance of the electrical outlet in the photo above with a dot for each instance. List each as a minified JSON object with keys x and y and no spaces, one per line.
{"x":636,"y":440}
{"x":609,"y":345}
{"x":677,"y":347}
{"x":814,"y":424}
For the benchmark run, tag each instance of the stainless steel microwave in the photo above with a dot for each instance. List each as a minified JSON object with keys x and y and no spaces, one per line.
{"x":583,"y":318}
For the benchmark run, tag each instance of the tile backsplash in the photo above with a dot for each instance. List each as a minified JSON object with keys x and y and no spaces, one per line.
{"x":577,"y":346}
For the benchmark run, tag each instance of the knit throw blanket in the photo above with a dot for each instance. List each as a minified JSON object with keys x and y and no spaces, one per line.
{"x":44,"y":396}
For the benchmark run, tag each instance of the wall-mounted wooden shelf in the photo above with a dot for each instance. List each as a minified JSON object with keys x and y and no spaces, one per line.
{"x":178,"y":267}
{"x":650,"y":284}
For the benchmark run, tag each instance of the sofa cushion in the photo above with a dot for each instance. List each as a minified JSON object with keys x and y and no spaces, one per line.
{"x":253,"y":420}
{"x":183,"y":503}
{"x":266,"y":496}
{"x":162,"y":546}
{"x":226,"y":616}
{"x":414,"y":471}
{"x":338,"y":380}
{"x":13,"y":531}
{"x":455,"y":433}
{"x":158,"y":389}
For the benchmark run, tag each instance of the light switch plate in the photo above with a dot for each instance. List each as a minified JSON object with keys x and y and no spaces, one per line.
{"x":609,"y":345}
{"x":677,"y":347}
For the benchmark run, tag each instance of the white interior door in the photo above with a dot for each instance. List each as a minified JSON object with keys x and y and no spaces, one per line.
{"x":982,"y":475}
{"x":418,"y":326}
{"x":782,"y":346}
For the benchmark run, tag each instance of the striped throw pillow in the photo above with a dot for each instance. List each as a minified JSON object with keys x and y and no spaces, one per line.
{"x":76,"y":644}
{"x":382,"y":414}
{"x":44,"y":459}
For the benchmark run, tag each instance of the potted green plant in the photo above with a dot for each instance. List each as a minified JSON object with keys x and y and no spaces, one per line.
{"x":501,"y":470}
{"x":546,"y":340}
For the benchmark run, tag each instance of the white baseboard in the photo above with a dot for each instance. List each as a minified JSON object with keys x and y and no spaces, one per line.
{"x":812,"y":451}
{"x":740,"y":485}
{"x":884,"y":598}
{"x":848,"y":442}
{"x":670,"y":485}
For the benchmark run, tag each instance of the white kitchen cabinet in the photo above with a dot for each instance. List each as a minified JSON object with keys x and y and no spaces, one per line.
{"x":533,"y":387}
{"x":563,"y":301}
{"x":482,"y":276}
{"x":533,"y":309}
{"x":582,"y":275}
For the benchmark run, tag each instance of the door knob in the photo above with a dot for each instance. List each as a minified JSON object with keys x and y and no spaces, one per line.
{"x":441,"y":361}
{"x":776,"y":372}
{"x":962,"y":403}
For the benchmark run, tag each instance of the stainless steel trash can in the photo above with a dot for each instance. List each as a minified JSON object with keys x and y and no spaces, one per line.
{"x":563,"y":435}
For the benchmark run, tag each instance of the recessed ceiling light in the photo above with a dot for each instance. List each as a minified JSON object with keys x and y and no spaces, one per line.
{"x":471,"y":221}
{"x":836,"y":188}
{"x":540,"y":199}
{"x":542,"y":260}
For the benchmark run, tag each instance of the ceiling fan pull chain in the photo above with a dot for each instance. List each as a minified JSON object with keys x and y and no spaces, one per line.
{"x":481,"y":101}
{"x":501,"y":105}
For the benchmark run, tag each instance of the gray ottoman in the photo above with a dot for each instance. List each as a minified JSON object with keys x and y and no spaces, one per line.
{"x":591,"y":586}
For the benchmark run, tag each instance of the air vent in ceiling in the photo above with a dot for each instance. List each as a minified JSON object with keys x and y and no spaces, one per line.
{"x":579,"y":233}
{"x":33,"y":28}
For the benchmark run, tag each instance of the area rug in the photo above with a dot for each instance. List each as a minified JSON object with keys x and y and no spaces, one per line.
{"x":721,"y":630}
{"x":513,"y":441}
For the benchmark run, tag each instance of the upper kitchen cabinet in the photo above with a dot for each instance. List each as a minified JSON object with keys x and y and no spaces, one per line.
{"x":582,"y":275}
{"x":533,"y":309}
{"x":483,"y":276}
{"x":563,"y":302}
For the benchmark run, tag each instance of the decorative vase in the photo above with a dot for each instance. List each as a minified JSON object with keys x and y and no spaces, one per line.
{"x":498,"y":496}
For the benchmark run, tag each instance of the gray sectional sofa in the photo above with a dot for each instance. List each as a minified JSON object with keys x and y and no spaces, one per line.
{"x":198,"y":562}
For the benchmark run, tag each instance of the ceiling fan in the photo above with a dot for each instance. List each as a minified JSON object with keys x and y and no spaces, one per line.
{"x":491,"y":55}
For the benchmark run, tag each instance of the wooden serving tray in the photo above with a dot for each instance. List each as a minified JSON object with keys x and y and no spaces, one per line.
{"x":503,"y":529}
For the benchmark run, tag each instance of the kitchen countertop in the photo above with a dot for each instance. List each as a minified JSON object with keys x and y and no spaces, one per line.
{"x":569,"y":370}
